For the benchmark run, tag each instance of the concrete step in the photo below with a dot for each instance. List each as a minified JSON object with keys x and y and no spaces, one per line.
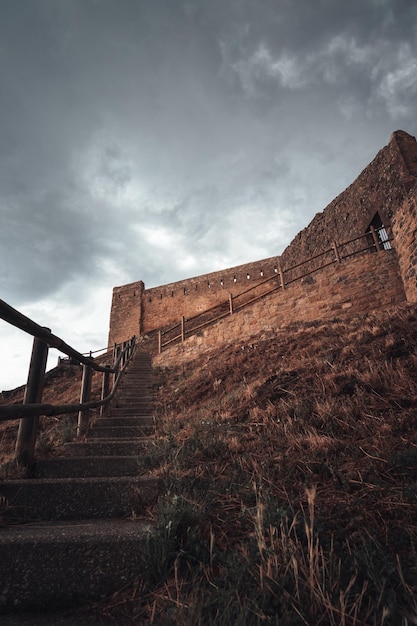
{"x":108,"y":447}
{"x":86,"y":467}
{"x":132,"y":399}
{"x":135,"y":391}
{"x":121,"y":432}
{"x":41,"y":499}
{"x":140,"y":373}
{"x":51,"y":566}
{"x":124,"y":420}
{"x":133,"y":383}
{"x":138,"y":414}
{"x":132,"y":409}
{"x":134,"y":386}
{"x":133,"y":404}
{"x":75,"y":546}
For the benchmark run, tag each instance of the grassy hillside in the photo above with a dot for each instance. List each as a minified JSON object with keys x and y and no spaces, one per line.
{"x":289,"y":482}
{"x":290,"y":469}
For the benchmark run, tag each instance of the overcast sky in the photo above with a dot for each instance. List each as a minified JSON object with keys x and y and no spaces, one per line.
{"x":156,"y":140}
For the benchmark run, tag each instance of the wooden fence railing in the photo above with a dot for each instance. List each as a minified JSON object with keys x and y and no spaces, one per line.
{"x":372,"y":241}
{"x":32,"y":408}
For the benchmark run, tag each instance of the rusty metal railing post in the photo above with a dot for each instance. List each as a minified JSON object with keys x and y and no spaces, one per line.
{"x":84,"y":397}
{"x":231,"y":303}
{"x":26,"y":437}
{"x":183,"y":329}
{"x":159,"y":341}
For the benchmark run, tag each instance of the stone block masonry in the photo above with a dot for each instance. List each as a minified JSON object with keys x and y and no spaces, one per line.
{"x":137,"y":311}
{"x":384,"y":192}
{"x":380,"y":188}
{"x":404,"y":227}
{"x":358,"y":286}
{"x":195,"y":295}
{"x":126,"y":312}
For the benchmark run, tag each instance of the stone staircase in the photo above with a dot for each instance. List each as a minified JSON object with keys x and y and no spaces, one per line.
{"x":72,"y":533}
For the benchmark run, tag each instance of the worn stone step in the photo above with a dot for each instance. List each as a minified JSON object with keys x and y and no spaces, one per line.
{"x":128,"y":398}
{"x":126,"y":412}
{"x":76,"y":498}
{"x":107,"y":447}
{"x":121,"y":432}
{"x":136,"y":383}
{"x":133,"y":399}
{"x":88,"y":466}
{"x":131,"y":407}
{"x":144,"y":418}
{"x":132,"y":404}
{"x":124,"y":421}
{"x":141,"y":374}
{"x":136,"y":387}
{"x":51,"y":566}
{"x":135,"y":393}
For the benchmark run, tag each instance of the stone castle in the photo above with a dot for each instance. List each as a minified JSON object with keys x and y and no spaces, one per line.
{"x":382,"y":200}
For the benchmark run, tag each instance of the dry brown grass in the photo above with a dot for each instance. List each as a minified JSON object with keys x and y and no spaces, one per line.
{"x":290,"y":474}
{"x":62,"y":386}
{"x":298,"y":456}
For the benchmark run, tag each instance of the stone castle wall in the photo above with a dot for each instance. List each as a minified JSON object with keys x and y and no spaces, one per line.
{"x":364,"y":284}
{"x":387,"y":186}
{"x":404,"y":228}
{"x":192,"y":296}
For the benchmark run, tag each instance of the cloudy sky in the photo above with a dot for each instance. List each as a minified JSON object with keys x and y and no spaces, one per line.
{"x":160,"y":139}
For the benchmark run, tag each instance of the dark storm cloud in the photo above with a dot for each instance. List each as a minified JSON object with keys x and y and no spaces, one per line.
{"x":158,"y":140}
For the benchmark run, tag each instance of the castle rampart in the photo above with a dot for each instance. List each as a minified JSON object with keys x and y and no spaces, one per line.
{"x":194,"y":295}
{"x":385,"y":193}
{"x":364,"y":284}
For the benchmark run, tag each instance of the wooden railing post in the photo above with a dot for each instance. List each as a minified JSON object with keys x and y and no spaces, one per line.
{"x":131,"y":346}
{"x":231,"y":303}
{"x":159,"y":341}
{"x":26,"y":437}
{"x":105,"y":388}
{"x":124,"y":355}
{"x":375,"y":238}
{"x":116,"y":354}
{"x":84,"y":397}
{"x":183,"y":329}
{"x":336,"y":251}
{"x":281,"y":276}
